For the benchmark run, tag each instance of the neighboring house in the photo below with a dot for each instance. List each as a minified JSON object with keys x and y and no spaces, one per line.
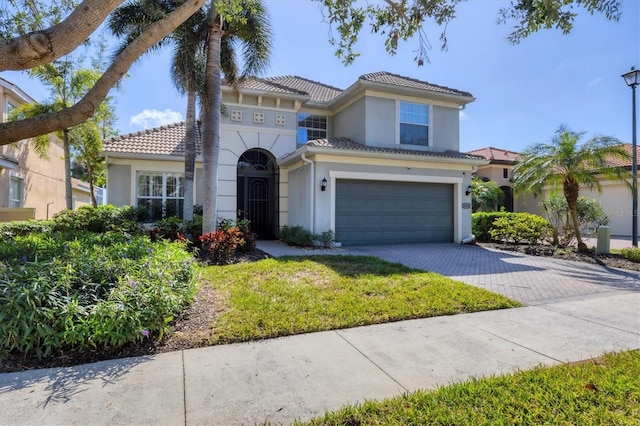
{"x":30,"y":186}
{"x":376,"y":163}
{"x":615,"y":197}
{"x":499,"y":170}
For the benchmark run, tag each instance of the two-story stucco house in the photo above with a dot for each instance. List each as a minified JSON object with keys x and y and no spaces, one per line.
{"x":31,"y":187}
{"x":376,"y":163}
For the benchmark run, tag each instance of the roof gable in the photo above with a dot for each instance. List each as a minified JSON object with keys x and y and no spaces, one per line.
{"x":384,"y":77}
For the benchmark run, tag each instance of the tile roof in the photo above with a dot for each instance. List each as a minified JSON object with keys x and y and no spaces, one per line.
{"x":267,"y":85}
{"x":626,"y":163}
{"x":398,"y":80}
{"x":318,"y":91}
{"x":350,"y":145}
{"x":163,"y":140}
{"x":496,"y":154}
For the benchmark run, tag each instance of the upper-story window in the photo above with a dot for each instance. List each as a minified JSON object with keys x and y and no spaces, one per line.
{"x":414,"y":124}
{"x":311,"y":126}
{"x":16,"y":191}
{"x":505,"y":173}
{"x":10,"y":108}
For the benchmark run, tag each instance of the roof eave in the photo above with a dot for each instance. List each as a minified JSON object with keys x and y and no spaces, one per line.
{"x":146,"y":156}
{"x":314,"y":150}
{"x":276,"y":94}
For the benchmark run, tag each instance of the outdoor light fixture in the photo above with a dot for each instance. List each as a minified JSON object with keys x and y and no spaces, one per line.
{"x":468,"y":191}
{"x":323,"y":184}
{"x":632,"y":78}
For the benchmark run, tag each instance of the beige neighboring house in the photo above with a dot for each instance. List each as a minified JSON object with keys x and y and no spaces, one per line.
{"x":377,"y":163}
{"x":615,"y":197}
{"x":499,"y":170}
{"x":30,"y":187}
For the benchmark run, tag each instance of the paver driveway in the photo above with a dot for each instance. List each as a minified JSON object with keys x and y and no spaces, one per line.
{"x":529,"y":279}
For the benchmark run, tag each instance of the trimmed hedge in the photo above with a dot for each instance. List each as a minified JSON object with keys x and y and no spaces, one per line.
{"x":482,"y":222}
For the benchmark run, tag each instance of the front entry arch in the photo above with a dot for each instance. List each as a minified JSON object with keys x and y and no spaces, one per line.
{"x":257,"y":176}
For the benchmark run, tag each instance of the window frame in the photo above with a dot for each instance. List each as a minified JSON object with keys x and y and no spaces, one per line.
{"x":505,"y":173}
{"x":428,"y":125}
{"x":14,"y":202}
{"x":151,"y":195}
{"x":302,"y":116}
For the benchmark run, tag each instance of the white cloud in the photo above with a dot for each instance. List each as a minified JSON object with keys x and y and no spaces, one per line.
{"x":463,"y":115}
{"x":594,"y":82}
{"x":149,"y":118}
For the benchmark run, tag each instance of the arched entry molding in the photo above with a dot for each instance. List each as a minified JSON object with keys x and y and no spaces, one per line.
{"x":257,"y":191}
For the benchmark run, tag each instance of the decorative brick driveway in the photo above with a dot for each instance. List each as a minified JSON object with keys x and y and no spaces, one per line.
{"x":531,"y":280}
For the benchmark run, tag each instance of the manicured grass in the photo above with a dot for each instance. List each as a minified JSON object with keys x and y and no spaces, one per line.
{"x":605,"y":391}
{"x":278,"y":297}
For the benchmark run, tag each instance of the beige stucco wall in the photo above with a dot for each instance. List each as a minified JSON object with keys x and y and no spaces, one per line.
{"x":43,"y":178}
{"x":494,"y":172}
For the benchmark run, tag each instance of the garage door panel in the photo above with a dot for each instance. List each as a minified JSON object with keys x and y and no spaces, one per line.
{"x":370,"y":212}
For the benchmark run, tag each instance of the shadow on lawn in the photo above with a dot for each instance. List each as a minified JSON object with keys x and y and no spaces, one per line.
{"x":354,"y":265}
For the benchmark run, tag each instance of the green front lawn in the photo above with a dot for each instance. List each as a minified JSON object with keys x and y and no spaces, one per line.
{"x":604,"y":391}
{"x":293,"y":295}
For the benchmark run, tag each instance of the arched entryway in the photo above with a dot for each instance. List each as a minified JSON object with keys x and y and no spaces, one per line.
{"x":257,"y":181}
{"x":508,"y":198}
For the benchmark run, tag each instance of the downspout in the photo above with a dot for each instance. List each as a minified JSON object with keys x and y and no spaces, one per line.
{"x":312,"y":191}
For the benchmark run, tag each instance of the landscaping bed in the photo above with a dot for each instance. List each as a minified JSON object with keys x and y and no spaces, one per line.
{"x":611,"y":260}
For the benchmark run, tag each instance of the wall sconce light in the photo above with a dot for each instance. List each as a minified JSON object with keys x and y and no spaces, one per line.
{"x":468,"y":191}
{"x":323,"y":184}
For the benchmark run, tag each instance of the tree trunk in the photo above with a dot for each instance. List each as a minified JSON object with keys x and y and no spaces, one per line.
{"x":92,"y":189}
{"x":571,"y":190}
{"x":211,"y":124}
{"x":189,"y":155}
{"x":68,"y":191}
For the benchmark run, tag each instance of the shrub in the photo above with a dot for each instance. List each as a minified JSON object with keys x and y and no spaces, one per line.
{"x":482,"y":222}
{"x":9,"y":230}
{"x":222,"y":244}
{"x":631,"y":253}
{"x":518,"y":227}
{"x":296,"y":236}
{"x":326,"y":238}
{"x":80,"y":291}
{"x":98,"y":219}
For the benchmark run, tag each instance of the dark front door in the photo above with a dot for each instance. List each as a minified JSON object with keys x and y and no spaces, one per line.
{"x":256,"y":180}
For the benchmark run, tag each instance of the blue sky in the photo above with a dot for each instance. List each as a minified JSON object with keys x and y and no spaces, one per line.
{"x":523,"y":92}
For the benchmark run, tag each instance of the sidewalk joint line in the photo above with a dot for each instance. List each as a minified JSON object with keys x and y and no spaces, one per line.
{"x":184,"y":388}
{"x":588,"y":320}
{"x":370,"y":360}
{"x":518,"y":344}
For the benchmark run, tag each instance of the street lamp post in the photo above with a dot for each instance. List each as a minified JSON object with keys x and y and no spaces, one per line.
{"x":632,"y":78}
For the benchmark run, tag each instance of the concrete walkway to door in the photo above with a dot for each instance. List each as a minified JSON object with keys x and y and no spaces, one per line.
{"x":531,"y":280}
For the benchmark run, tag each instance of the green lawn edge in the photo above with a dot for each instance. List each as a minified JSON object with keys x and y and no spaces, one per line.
{"x":294,"y":295}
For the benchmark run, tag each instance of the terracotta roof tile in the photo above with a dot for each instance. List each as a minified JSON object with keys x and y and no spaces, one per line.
{"x":626,"y":163}
{"x":348,"y":144}
{"x":318,"y":91}
{"x":164,"y":140}
{"x":496,"y":154}
{"x":398,"y":80}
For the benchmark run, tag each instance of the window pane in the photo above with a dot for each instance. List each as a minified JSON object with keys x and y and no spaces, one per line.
{"x":15,"y":192}
{"x":311,"y":126}
{"x":414,"y":113}
{"x":413,"y":134}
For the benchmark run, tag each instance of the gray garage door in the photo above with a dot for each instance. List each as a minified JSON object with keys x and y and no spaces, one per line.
{"x":370,"y":212}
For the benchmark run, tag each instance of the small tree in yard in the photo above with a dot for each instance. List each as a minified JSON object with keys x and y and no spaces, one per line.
{"x":564,"y":162}
{"x":590,"y":216}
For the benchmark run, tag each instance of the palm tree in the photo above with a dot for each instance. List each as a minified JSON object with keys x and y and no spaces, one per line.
{"x":242,"y":22}
{"x":67,"y":84}
{"x":205,"y":41}
{"x":564,"y":161}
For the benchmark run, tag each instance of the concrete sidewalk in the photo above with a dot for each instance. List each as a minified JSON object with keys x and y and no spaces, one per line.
{"x":298,"y":377}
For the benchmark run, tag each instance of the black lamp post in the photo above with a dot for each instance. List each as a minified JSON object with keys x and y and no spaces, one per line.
{"x":632,"y":78}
